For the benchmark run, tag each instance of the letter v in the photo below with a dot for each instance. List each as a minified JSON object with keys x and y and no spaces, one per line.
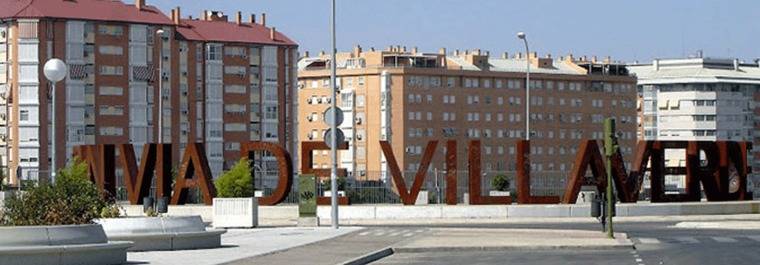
{"x":408,"y":197}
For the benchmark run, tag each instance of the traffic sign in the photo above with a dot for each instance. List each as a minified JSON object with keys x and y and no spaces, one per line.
{"x":329,"y":116}
{"x":328,"y":137}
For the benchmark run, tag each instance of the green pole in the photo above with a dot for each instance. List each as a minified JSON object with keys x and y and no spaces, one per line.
{"x":609,"y":134}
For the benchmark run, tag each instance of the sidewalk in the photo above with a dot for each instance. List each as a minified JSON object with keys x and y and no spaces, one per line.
{"x":242,"y":243}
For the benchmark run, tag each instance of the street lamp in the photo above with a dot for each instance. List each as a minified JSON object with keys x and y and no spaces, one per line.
{"x":521,"y":35}
{"x":160,"y":34}
{"x":334,"y":128}
{"x":55,"y":70}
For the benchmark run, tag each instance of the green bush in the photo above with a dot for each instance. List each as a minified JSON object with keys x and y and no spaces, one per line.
{"x":500,"y":183}
{"x":73,"y":199}
{"x":327,"y":183}
{"x":237,"y":182}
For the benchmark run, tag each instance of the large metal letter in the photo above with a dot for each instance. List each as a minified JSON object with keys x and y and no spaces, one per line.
{"x":408,"y":197}
{"x":451,"y":172}
{"x":194,"y":172}
{"x":307,"y":158}
{"x":475,"y":179}
{"x":284,"y":164}
{"x":523,"y":178}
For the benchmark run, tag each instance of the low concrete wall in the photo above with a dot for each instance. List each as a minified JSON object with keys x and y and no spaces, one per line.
{"x":62,"y":245}
{"x":288,"y":214}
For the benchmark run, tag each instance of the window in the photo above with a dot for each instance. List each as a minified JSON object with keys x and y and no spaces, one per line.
{"x":111,"y":91}
{"x":111,"y":70}
{"x":24,"y":115}
{"x":111,"y":50}
{"x":110,"y":30}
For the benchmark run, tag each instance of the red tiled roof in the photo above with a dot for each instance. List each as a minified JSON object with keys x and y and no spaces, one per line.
{"x":223,"y":31}
{"x":102,"y":10}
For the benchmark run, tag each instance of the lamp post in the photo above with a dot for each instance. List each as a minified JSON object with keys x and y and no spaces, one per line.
{"x":55,"y":70}
{"x":160,"y":34}
{"x":334,"y":128}
{"x":521,"y":35}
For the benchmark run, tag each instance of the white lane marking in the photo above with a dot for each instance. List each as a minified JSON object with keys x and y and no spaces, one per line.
{"x":418,"y":231}
{"x":408,"y":234}
{"x":687,"y":240}
{"x":646,"y":240}
{"x":364,"y":233}
{"x":724,"y":239}
{"x":379,"y":233}
{"x":395,"y":233}
{"x":756,"y":238}
{"x":639,"y":260}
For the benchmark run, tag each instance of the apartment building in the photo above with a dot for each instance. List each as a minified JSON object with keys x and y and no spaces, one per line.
{"x":113,"y":51}
{"x":409,"y":97}
{"x":704,"y":99}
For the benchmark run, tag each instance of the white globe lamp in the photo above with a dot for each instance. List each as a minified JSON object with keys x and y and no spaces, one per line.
{"x":55,"y":70}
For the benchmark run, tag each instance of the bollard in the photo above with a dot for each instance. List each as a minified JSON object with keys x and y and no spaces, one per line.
{"x":147,"y":203}
{"x":162,"y":205}
{"x":596,"y":208}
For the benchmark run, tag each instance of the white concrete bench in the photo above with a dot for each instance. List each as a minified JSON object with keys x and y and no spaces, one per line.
{"x":162,"y":233}
{"x":63,"y":245}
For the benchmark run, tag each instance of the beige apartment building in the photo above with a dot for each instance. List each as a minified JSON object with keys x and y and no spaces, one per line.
{"x":224,"y":80}
{"x":409,"y":97}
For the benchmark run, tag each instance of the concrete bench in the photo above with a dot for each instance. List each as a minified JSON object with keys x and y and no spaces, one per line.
{"x":63,"y":245}
{"x":162,"y":233}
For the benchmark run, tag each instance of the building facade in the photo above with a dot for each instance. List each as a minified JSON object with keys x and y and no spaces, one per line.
{"x":409,"y":98}
{"x":113,"y":51}
{"x":699,"y":99}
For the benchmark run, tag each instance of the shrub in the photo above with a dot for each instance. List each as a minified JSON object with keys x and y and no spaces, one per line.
{"x":237,"y":182}
{"x":500,"y":183}
{"x":327,"y":183}
{"x":72,"y":199}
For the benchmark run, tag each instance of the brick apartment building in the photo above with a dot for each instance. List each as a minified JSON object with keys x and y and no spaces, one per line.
{"x":408,"y":98}
{"x":224,"y":81}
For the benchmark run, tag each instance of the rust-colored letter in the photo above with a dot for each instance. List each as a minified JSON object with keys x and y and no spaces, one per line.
{"x":284,"y":164}
{"x":194,"y":172}
{"x":307,"y":158}
{"x":523,"y":178}
{"x":408,"y":197}
{"x":475,"y":179}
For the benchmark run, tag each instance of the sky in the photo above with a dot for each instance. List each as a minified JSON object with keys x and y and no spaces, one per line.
{"x":639,"y":30}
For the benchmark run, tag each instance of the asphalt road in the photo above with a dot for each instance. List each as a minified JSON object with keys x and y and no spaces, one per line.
{"x":656,"y":243}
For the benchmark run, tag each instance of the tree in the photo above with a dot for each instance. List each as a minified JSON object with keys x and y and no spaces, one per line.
{"x":236,"y":182}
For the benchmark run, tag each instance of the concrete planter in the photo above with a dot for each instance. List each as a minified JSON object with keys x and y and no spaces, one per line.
{"x":162,"y":233}
{"x":498,"y":193}
{"x":422,"y":198}
{"x":62,"y":245}
{"x":236,"y":212}
{"x":328,"y":193}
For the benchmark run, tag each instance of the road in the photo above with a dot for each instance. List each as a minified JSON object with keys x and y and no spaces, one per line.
{"x":655,"y":243}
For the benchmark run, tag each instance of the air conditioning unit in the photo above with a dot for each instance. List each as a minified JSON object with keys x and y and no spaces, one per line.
{"x":358,"y":120}
{"x":309,"y":118}
{"x":359,"y":137}
{"x":408,"y":150}
{"x":308,"y":100}
{"x":311,"y":137}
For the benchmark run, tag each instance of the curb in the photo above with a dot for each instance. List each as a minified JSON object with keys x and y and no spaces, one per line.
{"x":371,"y":257}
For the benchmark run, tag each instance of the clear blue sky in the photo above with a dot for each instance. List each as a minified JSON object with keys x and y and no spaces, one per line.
{"x":626,"y":30}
